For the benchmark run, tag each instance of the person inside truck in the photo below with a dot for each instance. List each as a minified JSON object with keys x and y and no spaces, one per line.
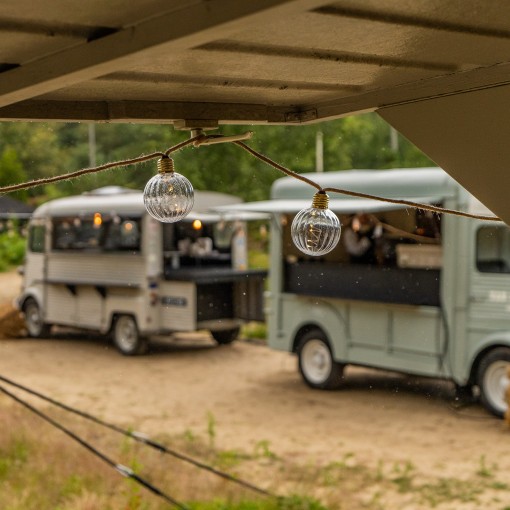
{"x":362,"y":238}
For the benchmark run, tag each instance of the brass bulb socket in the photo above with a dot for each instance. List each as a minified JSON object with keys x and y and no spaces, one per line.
{"x":320,"y":200}
{"x":165,"y":165}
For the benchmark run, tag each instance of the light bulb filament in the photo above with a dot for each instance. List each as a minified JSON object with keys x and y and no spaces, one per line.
{"x":314,"y":237}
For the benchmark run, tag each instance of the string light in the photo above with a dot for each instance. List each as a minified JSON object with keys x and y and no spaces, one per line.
{"x":168,"y":196}
{"x":316,"y":230}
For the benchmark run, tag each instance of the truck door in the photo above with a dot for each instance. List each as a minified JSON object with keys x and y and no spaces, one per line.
{"x":490,"y":288}
{"x":35,"y":265}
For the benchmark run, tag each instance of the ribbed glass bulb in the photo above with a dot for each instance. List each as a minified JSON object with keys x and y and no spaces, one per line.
{"x":316,"y":230}
{"x":168,"y":196}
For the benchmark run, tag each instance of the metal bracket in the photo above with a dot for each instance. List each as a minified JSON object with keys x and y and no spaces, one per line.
{"x":191,"y":124}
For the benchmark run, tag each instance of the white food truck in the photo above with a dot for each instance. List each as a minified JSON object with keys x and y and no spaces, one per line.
{"x":99,"y":261}
{"x":405,"y":290}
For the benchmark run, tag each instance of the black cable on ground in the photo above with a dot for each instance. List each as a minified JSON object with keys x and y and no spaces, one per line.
{"x":142,"y":438}
{"x":123,"y":470}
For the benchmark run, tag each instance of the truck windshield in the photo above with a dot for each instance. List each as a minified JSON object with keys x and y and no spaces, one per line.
{"x":96,"y":234}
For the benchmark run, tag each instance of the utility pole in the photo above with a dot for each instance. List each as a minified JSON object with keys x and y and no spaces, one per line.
{"x":319,"y":151}
{"x":394,"y":139}
{"x":92,"y":144}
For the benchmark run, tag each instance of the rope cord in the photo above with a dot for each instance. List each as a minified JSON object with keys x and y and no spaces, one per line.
{"x":279,"y":167}
{"x":96,"y":169}
{"x":414,"y":205}
{"x":200,"y":140}
{"x":140,"y":437}
{"x":123,"y":470}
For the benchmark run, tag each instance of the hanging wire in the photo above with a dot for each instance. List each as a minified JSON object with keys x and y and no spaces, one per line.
{"x":123,"y":470}
{"x":201,"y":139}
{"x":96,"y":169}
{"x":279,"y":167}
{"x":140,"y":437}
{"x":407,"y":203}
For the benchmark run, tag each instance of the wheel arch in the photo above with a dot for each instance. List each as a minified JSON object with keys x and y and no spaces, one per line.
{"x":488,"y":344}
{"x":303,"y":329}
{"x":34,"y":294}
{"x":115,"y":314}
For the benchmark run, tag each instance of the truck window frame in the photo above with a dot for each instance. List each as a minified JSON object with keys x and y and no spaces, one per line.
{"x":494,"y":265}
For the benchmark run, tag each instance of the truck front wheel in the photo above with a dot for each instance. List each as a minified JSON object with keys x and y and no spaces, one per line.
{"x":36,"y":326}
{"x":493,"y":380}
{"x":126,"y":337}
{"x":316,"y":364}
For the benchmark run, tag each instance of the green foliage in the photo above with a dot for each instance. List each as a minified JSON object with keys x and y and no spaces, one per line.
{"x":12,"y":249}
{"x":254,"y":330}
{"x":44,"y":149}
{"x":11,"y":171}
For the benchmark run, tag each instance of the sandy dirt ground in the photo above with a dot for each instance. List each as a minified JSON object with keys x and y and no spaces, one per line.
{"x":255,"y":394}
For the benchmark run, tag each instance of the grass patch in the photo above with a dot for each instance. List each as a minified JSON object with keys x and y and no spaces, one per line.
{"x":288,"y":503}
{"x":41,"y":469}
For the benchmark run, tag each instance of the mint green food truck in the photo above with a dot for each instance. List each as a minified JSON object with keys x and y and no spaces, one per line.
{"x":405,"y":290}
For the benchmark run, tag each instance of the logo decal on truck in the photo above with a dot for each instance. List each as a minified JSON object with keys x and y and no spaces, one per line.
{"x":174,"y":301}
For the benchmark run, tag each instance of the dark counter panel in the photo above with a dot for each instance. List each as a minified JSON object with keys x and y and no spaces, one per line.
{"x":364,"y":282}
{"x":212,"y":274}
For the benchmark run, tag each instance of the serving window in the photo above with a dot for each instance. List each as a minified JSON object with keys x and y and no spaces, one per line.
{"x":389,"y":256}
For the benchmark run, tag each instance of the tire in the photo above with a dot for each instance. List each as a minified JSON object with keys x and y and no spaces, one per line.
{"x":225,"y":336}
{"x":492,"y":380}
{"x":126,"y":337}
{"x":36,"y":326}
{"x":316,"y":364}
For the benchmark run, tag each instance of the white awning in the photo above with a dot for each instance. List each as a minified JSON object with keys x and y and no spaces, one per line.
{"x":341,"y":206}
{"x":232,"y":214}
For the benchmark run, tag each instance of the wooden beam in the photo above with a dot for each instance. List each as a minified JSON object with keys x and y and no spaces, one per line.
{"x":184,"y":28}
{"x":425,"y":89}
{"x":156,"y":112}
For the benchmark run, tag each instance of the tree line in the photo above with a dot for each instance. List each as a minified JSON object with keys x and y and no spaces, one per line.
{"x":33,"y":150}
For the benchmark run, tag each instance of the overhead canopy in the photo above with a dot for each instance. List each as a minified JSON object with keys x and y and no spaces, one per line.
{"x":438,"y":70}
{"x":227,"y":215}
{"x":394,"y":183}
{"x":209,"y":61}
{"x":418,"y":185}
{"x":341,"y":206}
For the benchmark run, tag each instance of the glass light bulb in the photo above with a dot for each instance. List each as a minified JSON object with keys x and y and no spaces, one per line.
{"x":168,"y":196}
{"x":316,"y":230}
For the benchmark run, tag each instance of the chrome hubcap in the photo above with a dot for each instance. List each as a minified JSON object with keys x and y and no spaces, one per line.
{"x":496,"y":383}
{"x":126,"y":334}
{"x":316,"y":361}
